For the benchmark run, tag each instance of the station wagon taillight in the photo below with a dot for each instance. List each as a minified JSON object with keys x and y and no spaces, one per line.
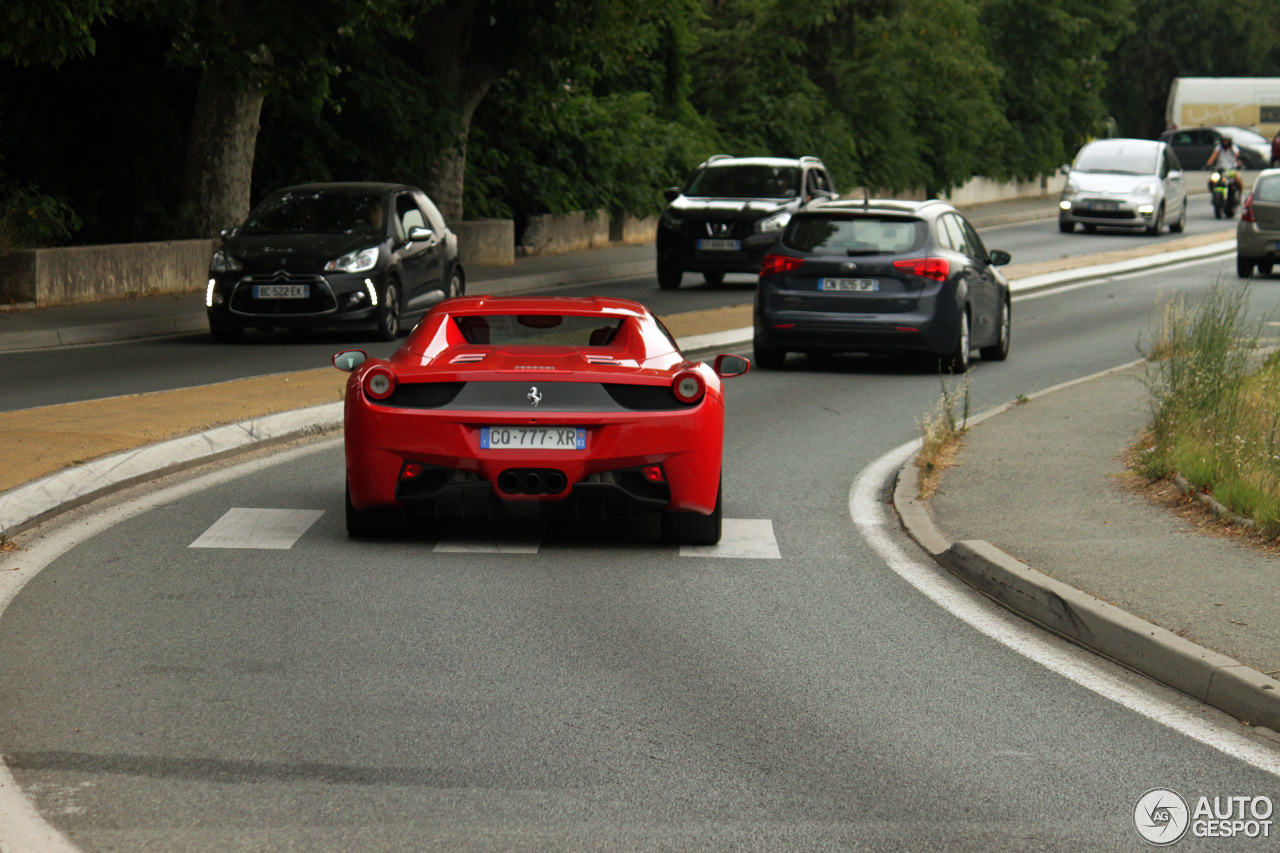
{"x":774,"y":264}
{"x":1247,"y":214}
{"x":935,"y":268}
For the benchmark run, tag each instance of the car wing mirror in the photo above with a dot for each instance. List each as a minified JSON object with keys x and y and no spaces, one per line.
{"x":226,"y":233}
{"x":671,"y":193}
{"x":727,"y":365}
{"x":349,"y":360}
{"x":999,"y":257}
{"x":418,"y":234}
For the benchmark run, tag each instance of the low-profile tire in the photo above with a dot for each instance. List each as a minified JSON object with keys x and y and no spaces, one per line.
{"x":1217,"y":206}
{"x":959,"y":359}
{"x":367,"y":523}
{"x":1244,"y":267}
{"x":457,"y":284}
{"x":713,"y":277}
{"x":1066,"y":227}
{"x":693,"y":528}
{"x":1179,"y":226}
{"x":1154,"y":229}
{"x":999,"y":351}
{"x":226,"y":336}
{"x":389,"y":313}
{"x":1265,"y":269}
{"x":767,"y":358}
{"x":669,"y":276}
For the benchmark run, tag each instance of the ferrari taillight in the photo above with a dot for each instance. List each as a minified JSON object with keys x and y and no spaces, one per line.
{"x":654,"y":473}
{"x":688,"y":386}
{"x":379,"y":382}
{"x":935,"y":268}
{"x":774,"y":264}
{"x":411,"y":471}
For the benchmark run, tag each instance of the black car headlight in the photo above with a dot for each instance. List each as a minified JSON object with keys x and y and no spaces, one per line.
{"x":774,"y":223}
{"x":223,"y":262}
{"x":361,"y":260}
{"x":671,"y":222}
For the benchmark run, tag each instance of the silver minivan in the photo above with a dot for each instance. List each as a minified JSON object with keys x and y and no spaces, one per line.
{"x":1124,"y":183}
{"x":1258,"y":231}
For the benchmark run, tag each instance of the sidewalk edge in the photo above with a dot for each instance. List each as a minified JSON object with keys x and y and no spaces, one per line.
{"x":1160,"y":654}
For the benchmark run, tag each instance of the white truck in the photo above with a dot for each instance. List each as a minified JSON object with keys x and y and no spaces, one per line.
{"x":1252,"y":102}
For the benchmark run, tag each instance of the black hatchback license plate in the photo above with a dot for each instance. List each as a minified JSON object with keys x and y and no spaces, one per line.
{"x":854,"y":285}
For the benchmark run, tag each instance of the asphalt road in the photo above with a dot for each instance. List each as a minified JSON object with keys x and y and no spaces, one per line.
{"x":603,"y":692}
{"x":68,"y":374}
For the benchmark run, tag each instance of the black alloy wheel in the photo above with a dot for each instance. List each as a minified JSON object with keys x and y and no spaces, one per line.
{"x":457,"y":284}
{"x":999,"y":351}
{"x":694,"y":528}
{"x":1066,"y":227}
{"x":1244,"y":267}
{"x":669,"y":276}
{"x":389,"y":313}
{"x":1177,"y":227}
{"x":767,"y":358}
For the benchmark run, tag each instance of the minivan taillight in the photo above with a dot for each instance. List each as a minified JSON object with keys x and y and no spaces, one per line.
{"x":1247,"y":215}
{"x":774,"y":264}
{"x":935,"y":268}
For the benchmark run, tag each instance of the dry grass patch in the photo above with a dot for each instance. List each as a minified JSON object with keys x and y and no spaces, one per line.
{"x":941,"y":434}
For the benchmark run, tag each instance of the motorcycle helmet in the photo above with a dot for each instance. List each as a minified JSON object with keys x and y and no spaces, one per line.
{"x":1226,"y":141}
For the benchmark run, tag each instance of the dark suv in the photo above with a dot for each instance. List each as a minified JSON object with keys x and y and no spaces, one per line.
{"x":882,"y":276}
{"x":729,"y":214}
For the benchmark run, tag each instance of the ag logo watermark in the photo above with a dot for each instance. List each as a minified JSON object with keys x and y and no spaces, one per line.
{"x":1162,"y":817}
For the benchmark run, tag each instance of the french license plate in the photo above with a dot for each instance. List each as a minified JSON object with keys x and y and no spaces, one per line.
{"x":858,"y":285}
{"x":1103,"y":205}
{"x":719,"y":245}
{"x":281,"y":291}
{"x":533,"y":438}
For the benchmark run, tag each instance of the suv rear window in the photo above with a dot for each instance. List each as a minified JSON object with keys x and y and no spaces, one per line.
{"x":746,"y":182}
{"x":863,"y":235}
{"x":1267,"y":189}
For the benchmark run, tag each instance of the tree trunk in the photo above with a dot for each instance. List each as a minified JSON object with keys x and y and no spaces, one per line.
{"x":220,"y":149}
{"x":447,"y":187}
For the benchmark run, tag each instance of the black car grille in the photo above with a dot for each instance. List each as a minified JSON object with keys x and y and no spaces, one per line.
{"x":645,"y":398}
{"x":320,"y":298}
{"x":717,"y":229}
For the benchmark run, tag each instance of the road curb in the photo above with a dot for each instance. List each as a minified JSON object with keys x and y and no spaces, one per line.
{"x":1160,"y":654}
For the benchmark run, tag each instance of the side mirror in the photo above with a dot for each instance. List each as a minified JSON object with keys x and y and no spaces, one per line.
{"x":418,"y":234}
{"x":727,"y":365}
{"x":349,"y":360}
{"x":671,"y":193}
{"x":1064,"y":169}
{"x":226,"y":233}
{"x":999,"y":257}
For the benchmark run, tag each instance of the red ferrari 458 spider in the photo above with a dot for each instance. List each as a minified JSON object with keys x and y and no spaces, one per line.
{"x":549,"y":406}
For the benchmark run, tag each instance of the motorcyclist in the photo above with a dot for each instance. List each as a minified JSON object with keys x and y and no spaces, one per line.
{"x":1227,"y":157}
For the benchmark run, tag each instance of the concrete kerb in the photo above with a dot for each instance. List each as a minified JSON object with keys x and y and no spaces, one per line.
{"x":1160,"y":654}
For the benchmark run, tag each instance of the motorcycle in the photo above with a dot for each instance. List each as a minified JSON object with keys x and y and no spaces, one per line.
{"x":1225,"y":192}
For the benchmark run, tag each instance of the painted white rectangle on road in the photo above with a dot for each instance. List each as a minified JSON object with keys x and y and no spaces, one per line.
{"x":258,"y":528}
{"x":487,"y":546}
{"x":741,"y":538}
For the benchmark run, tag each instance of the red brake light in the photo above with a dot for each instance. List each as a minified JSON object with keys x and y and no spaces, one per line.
{"x":379,"y":382}
{"x":654,"y":474}
{"x":411,"y":471}
{"x":935,"y":268}
{"x":1247,"y":215}
{"x":774,"y":264}
{"x":688,"y":386}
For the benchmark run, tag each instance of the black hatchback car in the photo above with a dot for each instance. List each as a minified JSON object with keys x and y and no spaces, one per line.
{"x":882,"y":276}
{"x":730,"y":212}
{"x":353,"y":255}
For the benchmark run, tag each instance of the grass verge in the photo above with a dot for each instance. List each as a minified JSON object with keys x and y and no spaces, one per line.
{"x":1215,"y":405}
{"x":941,"y":433}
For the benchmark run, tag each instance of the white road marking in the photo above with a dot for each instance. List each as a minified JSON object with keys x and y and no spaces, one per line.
{"x":487,"y":546}
{"x":869,"y":515}
{"x":275,"y":529}
{"x":743,"y":539}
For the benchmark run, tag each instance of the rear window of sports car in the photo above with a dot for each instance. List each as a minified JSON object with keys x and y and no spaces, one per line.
{"x":538,"y":329}
{"x":843,"y":235}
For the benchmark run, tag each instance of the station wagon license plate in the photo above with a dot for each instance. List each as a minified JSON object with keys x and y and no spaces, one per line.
{"x":719,"y":245}
{"x":1102,"y":205}
{"x":533,"y":438}
{"x":857,"y":285}
{"x":281,"y":291}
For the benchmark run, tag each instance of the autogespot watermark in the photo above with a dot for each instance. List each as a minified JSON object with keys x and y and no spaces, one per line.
{"x":1162,"y":817}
